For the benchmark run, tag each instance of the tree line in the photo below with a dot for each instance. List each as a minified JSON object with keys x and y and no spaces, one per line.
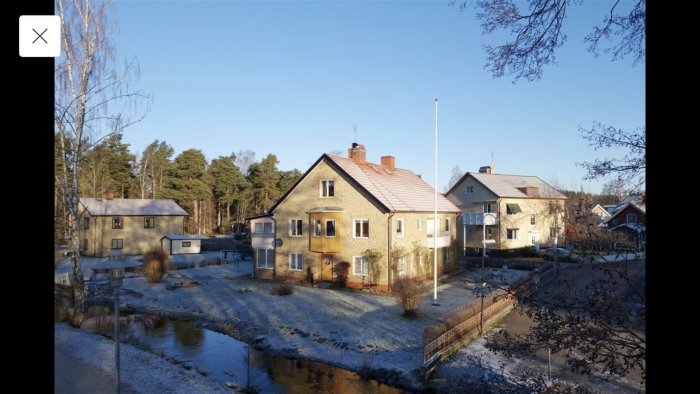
{"x":216,"y":193}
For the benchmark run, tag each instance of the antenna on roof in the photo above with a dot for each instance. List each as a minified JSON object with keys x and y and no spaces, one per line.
{"x":493,"y":164}
{"x":354,"y":130}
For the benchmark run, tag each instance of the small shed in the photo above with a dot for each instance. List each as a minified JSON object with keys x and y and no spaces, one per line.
{"x":181,"y":244}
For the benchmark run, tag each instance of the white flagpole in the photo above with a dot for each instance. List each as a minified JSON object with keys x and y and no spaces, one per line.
{"x":435,"y":217}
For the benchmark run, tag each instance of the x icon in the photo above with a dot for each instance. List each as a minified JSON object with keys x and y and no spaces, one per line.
{"x":40,"y":36}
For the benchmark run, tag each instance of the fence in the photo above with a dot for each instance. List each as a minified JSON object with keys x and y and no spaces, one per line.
{"x":536,"y":277}
{"x":464,"y":328}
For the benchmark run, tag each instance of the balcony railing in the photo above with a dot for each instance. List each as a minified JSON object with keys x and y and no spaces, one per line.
{"x":476,"y":218}
{"x":441,"y":241}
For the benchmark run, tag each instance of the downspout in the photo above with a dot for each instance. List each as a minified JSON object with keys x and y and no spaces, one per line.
{"x":500,"y":221}
{"x":274,"y":247}
{"x":388,"y":247}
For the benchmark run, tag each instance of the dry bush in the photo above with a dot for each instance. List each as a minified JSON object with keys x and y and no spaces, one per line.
{"x":341,"y":274}
{"x":408,"y":292}
{"x":283,"y":289}
{"x":156,"y":263}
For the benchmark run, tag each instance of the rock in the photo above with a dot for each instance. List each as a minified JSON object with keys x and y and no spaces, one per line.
{"x":259,"y":338}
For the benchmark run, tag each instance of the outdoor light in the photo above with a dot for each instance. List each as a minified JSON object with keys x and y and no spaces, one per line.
{"x":116,"y":276}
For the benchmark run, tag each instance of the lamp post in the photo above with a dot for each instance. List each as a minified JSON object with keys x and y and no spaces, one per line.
{"x":435,"y":217}
{"x":116,"y":276}
{"x":488,"y":219}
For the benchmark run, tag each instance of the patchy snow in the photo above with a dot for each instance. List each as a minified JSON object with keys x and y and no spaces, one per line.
{"x":339,"y":327}
{"x":141,"y":372}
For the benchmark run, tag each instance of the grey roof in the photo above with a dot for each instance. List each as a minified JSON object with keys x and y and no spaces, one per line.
{"x":131,"y":207}
{"x":504,"y":185}
{"x":399,"y":190}
{"x":177,"y":237}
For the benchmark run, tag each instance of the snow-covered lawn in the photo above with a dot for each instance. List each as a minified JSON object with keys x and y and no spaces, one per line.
{"x":339,"y":327}
{"x":141,"y":371}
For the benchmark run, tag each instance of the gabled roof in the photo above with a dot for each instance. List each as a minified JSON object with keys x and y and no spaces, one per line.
{"x":639,"y":208}
{"x":601,"y":210}
{"x":131,"y":207}
{"x":503,"y":185}
{"x":399,"y":190}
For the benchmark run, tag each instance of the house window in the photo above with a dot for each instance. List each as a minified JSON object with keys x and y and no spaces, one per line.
{"x":267,"y":228}
{"x":470,"y":189}
{"x":631,"y":218}
{"x":471,"y":229}
{"x":420,"y":224}
{"x":614,"y":221}
{"x":149,"y":222}
{"x":512,"y":233}
{"x":447,"y":224}
{"x":295,"y":228}
{"x":533,"y":219}
{"x":554,"y":231}
{"x":317,"y":228}
{"x":487,"y":208}
{"x":330,"y":228}
{"x":361,"y":228}
{"x":86,"y":223}
{"x":295,"y":262}
{"x":85,"y":244}
{"x":512,"y":209}
{"x":359,"y":265}
{"x":489,"y":233}
{"x":117,"y":223}
{"x":266,"y":258}
{"x":401,"y":265}
{"x":258,"y":228}
{"x":327,"y":188}
{"x":186,"y":244}
{"x":117,"y":244}
{"x":399,"y":228}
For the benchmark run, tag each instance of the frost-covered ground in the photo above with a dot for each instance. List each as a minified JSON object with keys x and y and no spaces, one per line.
{"x":340,"y":327}
{"x":141,"y":372}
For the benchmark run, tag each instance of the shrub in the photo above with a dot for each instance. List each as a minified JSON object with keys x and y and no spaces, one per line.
{"x":408,"y":291}
{"x":341,"y":271}
{"x":283,"y":289}
{"x":374,"y":266}
{"x":156,"y":263}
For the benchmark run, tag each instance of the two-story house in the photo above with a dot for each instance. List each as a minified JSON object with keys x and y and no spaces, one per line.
{"x":630,"y":219}
{"x":126,"y":226}
{"x":343,"y":206}
{"x":509,"y":211}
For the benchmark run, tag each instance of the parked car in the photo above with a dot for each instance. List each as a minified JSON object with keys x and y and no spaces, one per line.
{"x":549,"y":254}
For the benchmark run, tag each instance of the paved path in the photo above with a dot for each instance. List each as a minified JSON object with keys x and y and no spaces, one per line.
{"x":72,"y":376}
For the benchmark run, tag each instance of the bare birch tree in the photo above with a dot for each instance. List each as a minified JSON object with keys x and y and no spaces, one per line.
{"x":93,"y":101}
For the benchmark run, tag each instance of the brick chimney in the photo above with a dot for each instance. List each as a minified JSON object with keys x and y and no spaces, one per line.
{"x":389,"y":162}
{"x":357,"y":153}
{"x":108,"y":195}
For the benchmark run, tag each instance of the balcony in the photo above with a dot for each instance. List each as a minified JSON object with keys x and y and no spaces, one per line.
{"x":441,"y":241}
{"x":476,"y":218}
{"x":262,"y":240}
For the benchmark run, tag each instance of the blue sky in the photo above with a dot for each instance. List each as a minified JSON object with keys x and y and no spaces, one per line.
{"x":291,"y":78}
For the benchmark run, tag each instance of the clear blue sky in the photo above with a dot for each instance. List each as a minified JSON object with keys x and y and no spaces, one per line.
{"x":291,"y":78}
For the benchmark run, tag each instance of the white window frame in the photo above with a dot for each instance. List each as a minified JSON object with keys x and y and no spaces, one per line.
{"x":293,"y":227}
{"x":265,"y":227}
{"x":354,"y":223}
{"x":268,"y":264}
{"x":257,"y":230}
{"x":364,"y":263}
{"x":431,"y":227}
{"x":514,"y":233}
{"x":448,"y":225}
{"x":488,"y":208}
{"x":186,"y":244}
{"x":420,"y":224}
{"x":631,"y":215}
{"x":401,"y":226}
{"x":335,"y":229}
{"x":299,"y":261}
{"x":401,"y":265}
{"x":533,"y":219}
{"x":489,"y":233}
{"x":319,"y":228}
{"x":326,"y":189}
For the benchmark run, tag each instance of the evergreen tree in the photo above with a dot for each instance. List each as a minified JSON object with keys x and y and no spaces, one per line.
{"x":187,"y":184}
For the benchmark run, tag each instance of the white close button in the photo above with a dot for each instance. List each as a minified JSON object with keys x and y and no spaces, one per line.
{"x":39,"y":36}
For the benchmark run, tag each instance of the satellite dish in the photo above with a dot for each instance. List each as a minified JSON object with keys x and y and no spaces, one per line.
{"x":278,"y":242}
{"x":489,"y":219}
